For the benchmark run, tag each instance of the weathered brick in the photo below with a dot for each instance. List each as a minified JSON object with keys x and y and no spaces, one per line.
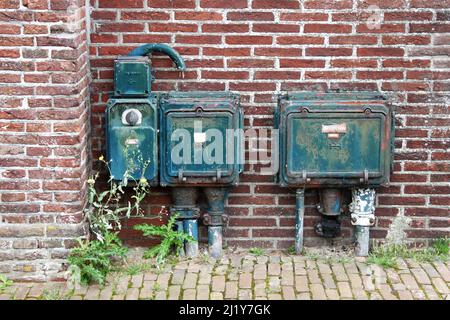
{"x":320,"y":50}
{"x":250,"y":16}
{"x":171,"y":3}
{"x":231,"y":290}
{"x":218,"y":283}
{"x":326,"y":28}
{"x":190,"y":281}
{"x":280,"y":4}
{"x":238,"y":4}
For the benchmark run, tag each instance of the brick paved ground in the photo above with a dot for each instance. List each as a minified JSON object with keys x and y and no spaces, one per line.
{"x":246,"y":276}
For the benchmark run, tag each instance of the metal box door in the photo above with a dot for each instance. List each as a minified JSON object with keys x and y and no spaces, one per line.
{"x":133,"y":148}
{"x":198,"y":141}
{"x":220,"y":121}
{"x":132,"y":76}
{"x":335,"y":141}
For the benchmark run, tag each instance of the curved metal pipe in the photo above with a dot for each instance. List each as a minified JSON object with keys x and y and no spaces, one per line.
{"x":146,"y":49}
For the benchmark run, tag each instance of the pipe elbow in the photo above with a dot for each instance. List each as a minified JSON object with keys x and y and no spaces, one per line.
{"x":147,"y":49}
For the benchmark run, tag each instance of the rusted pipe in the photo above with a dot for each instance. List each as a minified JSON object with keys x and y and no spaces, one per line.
{"x":330,"y":202}
{"x":187,"y":212}
{"x":330,"y":207}
{"x":214,"y":218}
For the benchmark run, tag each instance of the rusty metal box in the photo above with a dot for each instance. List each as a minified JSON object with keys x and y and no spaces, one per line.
{"x":132,"y":147}
{"x":132,"y":76}
{"x":335,"y":139}
{"x":200,"y":139}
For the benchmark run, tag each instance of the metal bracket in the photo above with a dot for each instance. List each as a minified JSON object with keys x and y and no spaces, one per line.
{"x":215,"y":219}
{"x":185,"y":212}
{"x":180,"y":176}
{"x":365,"y":178}
{"x":199,"y":111}
{"x":305,"y":179}
{"x":218,"y":175}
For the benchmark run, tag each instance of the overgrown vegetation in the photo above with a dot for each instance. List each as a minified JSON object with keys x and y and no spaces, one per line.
{"x":256,"y":251}
{"x":104,"y":212}
{"x":135,"y":269}
{"x":171,"y":240}
{"x":205,"y":258}
{"x":291,"y":251}
{"x":327,"y":254}
{"x":442,"y":246}
{"x":55,"y":294}
{"x":4,"y":283}
{"x":93,"y":260}
{"x":387,"y":255}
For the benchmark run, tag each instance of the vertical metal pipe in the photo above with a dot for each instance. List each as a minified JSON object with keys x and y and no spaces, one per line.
{"x":180,"y":228}
{"x":362,"y":211}
{"x":191,"y":228}
{"x":330,"y":207}
{"x":215,"y":241}
{"x":185,"y":199}
{"x":299,"y":215}
{"x":362,"y":241}
{"x":216,"y":197}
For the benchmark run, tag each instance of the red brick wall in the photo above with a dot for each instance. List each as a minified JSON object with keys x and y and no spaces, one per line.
{"x":256,"y":47}
{"x":43,"y":134}
{"x":260,"y":48}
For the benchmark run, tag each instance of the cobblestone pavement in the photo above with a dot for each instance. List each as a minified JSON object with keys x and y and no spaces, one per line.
{"x":246,"y":276}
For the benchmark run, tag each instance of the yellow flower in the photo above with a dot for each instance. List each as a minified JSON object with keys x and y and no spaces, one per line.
{"x":143,"y":181}
{"x":91,"y":181}
{"x":101,"y":158}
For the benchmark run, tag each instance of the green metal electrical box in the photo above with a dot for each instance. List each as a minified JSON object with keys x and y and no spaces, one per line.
{"x":132,"y":121}
{"x":200,"y":138}
{"x":335,"y":139}
{"x":132,"y":76}
{"x":132,"y":115}
{"x":132,"y":142}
